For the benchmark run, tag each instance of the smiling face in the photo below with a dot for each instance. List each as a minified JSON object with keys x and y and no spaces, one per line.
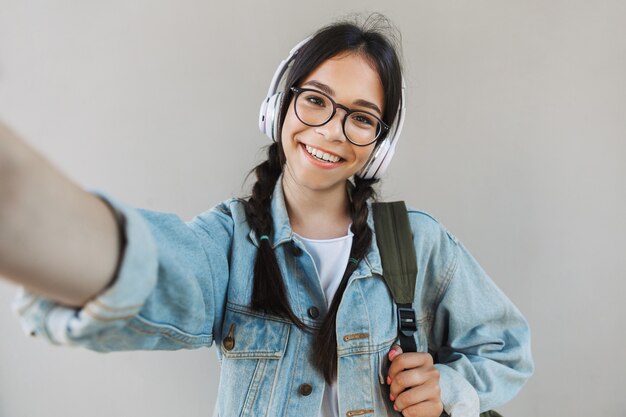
{"x":321,"y":158}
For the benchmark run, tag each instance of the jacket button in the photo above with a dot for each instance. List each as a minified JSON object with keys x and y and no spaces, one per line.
{"x":229,"y":340}
{"x":306,"y":389}
{"x":314,"y":312}
{"x":295,"y":250}
{"x":229,"y":343}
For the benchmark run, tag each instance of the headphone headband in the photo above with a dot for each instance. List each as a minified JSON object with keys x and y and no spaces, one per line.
{"x":282,"y":67}
{"x":383,"y":151}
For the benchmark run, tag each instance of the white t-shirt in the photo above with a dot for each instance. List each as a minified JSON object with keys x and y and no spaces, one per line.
{"x":330,"y":257}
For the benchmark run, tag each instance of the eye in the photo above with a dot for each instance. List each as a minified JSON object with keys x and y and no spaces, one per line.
{"x":315,"y":100}
{"x":363,"y":120}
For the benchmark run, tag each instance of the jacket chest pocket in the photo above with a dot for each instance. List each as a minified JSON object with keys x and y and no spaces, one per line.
{"x":251,"y":347}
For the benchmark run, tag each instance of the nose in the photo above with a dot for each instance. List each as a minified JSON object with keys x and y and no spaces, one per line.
{"x":333,"y":129}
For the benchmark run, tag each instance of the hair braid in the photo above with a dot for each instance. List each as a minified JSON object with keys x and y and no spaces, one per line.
{"x":325,"y":347}
{"x":377,"y":40}
{"x":269,"y":293}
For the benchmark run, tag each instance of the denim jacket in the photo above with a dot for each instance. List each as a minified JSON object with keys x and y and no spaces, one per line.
{"x":186,"y":285}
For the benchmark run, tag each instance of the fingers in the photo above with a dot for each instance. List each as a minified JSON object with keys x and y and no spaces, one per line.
{"x":423,"y":409}
{"x":414,"y":383}
{"x":419,"y":398}
{"x":412,"y":378}
{"x":394,"y":351}
{"x":409,"y":360}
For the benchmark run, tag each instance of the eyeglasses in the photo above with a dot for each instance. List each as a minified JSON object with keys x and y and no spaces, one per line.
{"x":314,"y":108}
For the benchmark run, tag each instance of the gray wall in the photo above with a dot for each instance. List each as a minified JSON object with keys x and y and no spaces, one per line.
{"x":515,"y":140}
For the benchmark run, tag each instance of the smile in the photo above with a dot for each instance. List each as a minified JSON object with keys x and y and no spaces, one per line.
{"x":321,"y":155}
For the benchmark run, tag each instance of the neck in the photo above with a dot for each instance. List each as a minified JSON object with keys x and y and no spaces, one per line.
{"x":317,"y":214}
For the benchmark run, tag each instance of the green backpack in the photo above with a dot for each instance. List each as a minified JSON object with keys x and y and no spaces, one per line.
{"x":397,"y":253}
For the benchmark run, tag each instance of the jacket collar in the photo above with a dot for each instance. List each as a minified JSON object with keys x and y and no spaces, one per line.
{"x":283,"y":232}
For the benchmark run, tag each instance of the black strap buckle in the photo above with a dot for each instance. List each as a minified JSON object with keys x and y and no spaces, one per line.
{"x":407,"y":323}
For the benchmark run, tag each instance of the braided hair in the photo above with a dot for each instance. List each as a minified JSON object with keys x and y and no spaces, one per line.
{"x":269,"y":291}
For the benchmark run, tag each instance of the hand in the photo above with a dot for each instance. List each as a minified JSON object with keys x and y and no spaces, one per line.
{"x":414,"y":384}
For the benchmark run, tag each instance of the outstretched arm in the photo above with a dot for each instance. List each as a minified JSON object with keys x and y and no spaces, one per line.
{"x":56,"y":239}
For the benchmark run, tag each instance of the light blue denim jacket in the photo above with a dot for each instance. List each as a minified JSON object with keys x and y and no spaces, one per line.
{"x":185,"y":285}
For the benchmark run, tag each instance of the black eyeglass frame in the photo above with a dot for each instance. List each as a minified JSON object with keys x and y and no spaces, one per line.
{"x":383,"y":126}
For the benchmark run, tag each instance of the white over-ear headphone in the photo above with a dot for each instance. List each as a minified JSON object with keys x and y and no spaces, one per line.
{"x":383,"y":152}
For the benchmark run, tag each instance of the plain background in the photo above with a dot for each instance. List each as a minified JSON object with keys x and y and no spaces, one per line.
{"x":515,"y":140}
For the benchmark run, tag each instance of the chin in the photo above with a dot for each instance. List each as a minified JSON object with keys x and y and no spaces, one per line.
{"x":316,"y":181}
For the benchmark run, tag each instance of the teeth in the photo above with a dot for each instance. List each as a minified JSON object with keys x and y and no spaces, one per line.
{"x":321,"y":155}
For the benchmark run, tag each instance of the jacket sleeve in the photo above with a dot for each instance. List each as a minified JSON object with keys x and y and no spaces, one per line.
{"x":480,"y":339}
{"x":167,"y":294}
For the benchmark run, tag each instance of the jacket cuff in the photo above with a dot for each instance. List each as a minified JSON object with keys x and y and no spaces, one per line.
{"x":458,"y":396}
{"x":135,"y":279}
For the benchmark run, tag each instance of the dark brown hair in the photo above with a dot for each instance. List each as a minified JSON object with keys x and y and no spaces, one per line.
{"x":269,"y":291}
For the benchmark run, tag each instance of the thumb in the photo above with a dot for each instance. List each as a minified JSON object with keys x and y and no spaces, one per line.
{"x":394,"y":351}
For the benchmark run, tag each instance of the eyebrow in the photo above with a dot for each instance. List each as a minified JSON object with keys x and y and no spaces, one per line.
{"x":360,"y":102}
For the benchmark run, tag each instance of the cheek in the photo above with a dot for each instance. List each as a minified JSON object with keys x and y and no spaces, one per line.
{"x":290,"y":125}
{"x":363,"y":154}
{"x":288,"y":131}
{"x":287,"y":127}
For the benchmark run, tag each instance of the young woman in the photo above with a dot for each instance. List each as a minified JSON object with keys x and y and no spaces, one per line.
{"x":287,"y":282}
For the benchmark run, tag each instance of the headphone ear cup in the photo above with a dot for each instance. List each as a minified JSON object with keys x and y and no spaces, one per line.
{"x":383,"y":161}
{"x":263,"y":114}
{"x":268,"y":116}
{"x":372,"y":168}
{"x":382,"y":154}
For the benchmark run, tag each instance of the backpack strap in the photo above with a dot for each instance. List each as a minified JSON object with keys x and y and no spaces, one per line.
{"x":397,"y":253}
